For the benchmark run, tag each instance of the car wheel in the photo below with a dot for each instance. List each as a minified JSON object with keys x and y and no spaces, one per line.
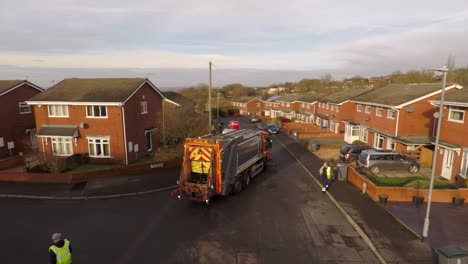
{"x":375,"y":169}
{"x":413,"y":169}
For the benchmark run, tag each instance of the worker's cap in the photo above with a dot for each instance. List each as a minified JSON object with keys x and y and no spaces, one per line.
{"x":57,"y":236}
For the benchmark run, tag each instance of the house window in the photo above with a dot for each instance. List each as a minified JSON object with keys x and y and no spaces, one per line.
{"x":368,"y":109}
{"x":58,"y":110}
{"x":144,"y":107}
{"x":464,"y":163}
{"x":378,"y":141}
{"x":391,"y":114}
{"x":282,"y":104}
{"x":288,"y":104}
{"x":390,"y":144}
{"x":358,"y":108}
{"x":308,"y":106}
{"x":363,"y":135}
{"x":337,"y":108}
{"x":96,"y":111}
{"x":99,"y":147}
{"x":354,"y":131}
{"x":325,"y":123}
{"x":378,"y":111}
{"x":303,"y":105}
{"x":456,"y":114}
{"x":327,"y":106}
{"x":62,"y":146}
{"x":258,"y":104}
{"x":334,"y":127}
{"x":24,"y":108}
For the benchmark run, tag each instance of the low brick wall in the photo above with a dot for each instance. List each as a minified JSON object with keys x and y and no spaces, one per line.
{"x":11,"y":162}
{"x":73,"y":178}
{"x":403,"y":194}
{"x":300,"y":127}
{"x":306,"y":135}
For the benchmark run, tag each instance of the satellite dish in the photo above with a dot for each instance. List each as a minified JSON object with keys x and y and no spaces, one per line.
{"x":436,"y":115}
{"x":366,"y":118}
{"x":410,"y":109}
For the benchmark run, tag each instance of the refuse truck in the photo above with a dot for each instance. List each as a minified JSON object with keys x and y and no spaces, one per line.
{"x":222,"y":164}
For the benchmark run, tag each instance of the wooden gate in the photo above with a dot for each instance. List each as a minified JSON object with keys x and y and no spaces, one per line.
{"x":426,"y":157}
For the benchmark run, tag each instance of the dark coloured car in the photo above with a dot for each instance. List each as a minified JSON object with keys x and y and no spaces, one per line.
{"x":272,"y":129}
{"x":377,"y":160}
{"x":350,"y":153}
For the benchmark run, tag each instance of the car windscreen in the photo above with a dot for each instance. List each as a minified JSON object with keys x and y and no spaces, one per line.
{"x":344,"y":149}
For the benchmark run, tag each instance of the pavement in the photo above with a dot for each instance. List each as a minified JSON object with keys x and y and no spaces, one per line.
{"x":391,"y":238}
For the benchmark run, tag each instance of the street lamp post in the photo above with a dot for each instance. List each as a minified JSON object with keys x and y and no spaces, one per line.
{"x":217,"y":107}
{"x":434,"y":156}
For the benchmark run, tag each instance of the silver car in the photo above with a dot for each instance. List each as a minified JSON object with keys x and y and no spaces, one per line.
{"x":377,"y":160}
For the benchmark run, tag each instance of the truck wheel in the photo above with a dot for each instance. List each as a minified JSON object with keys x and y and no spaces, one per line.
{"x":238,"y":186}
{"x":247,"y":177}
{"x":375,"y":170}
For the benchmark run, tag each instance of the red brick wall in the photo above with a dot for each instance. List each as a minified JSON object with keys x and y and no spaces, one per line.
{"x":111,"y":126}
{"x":13,"y":124}
{"x":381,"y":123}
{"x":403,"y":194}
{"x":136,"y":123}
{"x":252,"y":107}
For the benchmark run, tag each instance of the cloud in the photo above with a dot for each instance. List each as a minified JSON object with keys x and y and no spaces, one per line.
{"x":340,"y":37}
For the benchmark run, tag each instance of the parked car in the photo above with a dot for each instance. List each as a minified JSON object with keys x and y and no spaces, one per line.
{"x":234,"y":125}
{"x":254,"y":119}
{"x":272,"y":129}
{"x":377,"y":160}
{"x":285,"y":120}
{"x":350,"y":153}
{"x":236,"y":115}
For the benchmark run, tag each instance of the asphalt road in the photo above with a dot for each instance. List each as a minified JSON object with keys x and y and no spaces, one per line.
{"x":282,"y":217}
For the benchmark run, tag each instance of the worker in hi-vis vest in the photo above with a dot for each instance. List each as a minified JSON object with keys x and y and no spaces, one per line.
{"x":326,"y":173}
{"x":60,"y":251}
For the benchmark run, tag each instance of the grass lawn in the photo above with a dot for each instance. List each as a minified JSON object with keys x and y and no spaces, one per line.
{"x":416,"y":182}
{"x":92,"y":167}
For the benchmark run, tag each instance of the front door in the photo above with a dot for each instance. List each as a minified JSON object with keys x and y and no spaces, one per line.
{"x":447,"y":164}
{"x":149,"y":143}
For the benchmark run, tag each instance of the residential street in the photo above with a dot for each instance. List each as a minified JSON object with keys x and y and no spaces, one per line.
{"x":282,"y":217}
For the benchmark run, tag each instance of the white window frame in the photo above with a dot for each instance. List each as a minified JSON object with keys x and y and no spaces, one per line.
{"x":359,"y":108}
{"x":327,"y":106}
{"x":92,"y":113}
{"x":464,"y":164}
{"x":377,"y":139}
{"x":363,"y":134}
{"x":390,"y":142}
{"x":391,"y":114}
{"x":308,"y":106}
{"x":288,"y":105}
{"x":333,"y":126}
{"x":62,"y":146}
{"x":378,"y":111}
{"x":24,"y":106}
{"x":53,"y":110}
{"x":456,"y":109}
{"x":98,"y":146}
{"x":367,"y":109}
{"x":144,"y":107}
{"x":325,"y":123}
{"x":303,"y":105}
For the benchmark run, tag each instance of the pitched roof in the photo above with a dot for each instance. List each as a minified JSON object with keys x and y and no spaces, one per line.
{"x":245,"y":99}
{"x":310,"y":98}
{"x":6,"y":85}
{"x":177,"y":98}
{"x":460,"y":96}
{"x":342,"y":96}
{"x":398,"y":93}
{"x":115,"y":90}
{"x":290,"y":98}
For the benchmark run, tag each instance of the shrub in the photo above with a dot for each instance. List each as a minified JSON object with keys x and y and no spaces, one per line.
{"x":358,"y":143}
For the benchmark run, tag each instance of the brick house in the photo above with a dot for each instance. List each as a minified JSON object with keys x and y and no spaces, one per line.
{"x":17,"y":129}
{"x":336,"y":107}
{"x":397,"y":116}
{"x":270,"y":105}
{"x":452,"y":155}
{"x":249,"y":106}
{"x":112,"y":120}
{"x":306,"y":107}
{"x":285,"y":106}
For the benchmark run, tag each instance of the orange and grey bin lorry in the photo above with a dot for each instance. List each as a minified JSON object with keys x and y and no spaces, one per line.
{"x":222,"y":164}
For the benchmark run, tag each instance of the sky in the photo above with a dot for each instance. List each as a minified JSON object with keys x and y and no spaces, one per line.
{"x":253,"y":42}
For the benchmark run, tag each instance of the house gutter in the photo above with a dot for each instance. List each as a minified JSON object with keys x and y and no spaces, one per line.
{"x":124,"y":134}
{"x":397,"y":121}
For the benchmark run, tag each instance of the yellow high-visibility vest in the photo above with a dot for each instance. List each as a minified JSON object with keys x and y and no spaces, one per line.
{"x":62,"y":254}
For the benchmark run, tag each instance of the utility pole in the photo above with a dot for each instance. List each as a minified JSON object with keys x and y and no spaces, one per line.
{"x":209,"y":100}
